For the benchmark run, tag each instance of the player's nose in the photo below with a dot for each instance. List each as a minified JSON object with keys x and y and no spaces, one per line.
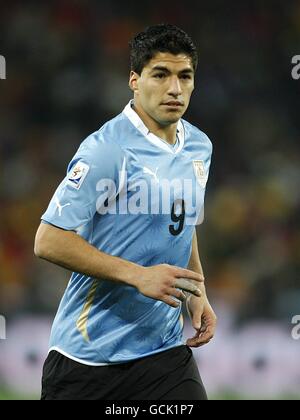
{"x":175,"y":86}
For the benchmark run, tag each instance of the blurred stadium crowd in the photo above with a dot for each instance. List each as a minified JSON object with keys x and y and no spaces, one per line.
{"x":67,"y":73}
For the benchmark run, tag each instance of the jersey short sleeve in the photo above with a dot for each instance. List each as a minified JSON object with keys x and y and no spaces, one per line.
{"x":74,"y":203}
{"x":208,"y":149}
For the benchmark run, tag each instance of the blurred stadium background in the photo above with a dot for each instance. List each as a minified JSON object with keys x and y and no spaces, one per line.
{"x":67,"y":73}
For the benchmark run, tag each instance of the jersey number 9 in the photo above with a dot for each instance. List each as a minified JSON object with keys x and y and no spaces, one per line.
{"x":177,"y":218}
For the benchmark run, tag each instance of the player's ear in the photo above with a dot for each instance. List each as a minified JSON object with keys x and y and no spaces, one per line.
{"x":133,"y":81}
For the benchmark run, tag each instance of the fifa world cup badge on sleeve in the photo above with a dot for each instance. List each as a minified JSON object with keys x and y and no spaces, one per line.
{"x":78,"y":174}
{"x":199,"y":170}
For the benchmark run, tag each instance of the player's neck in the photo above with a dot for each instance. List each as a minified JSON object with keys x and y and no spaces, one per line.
{"x":167,"y":133}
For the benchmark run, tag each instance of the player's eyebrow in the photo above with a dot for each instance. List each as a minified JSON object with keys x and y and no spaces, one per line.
{"x":160,"y":68}
{"x":187,"y":70}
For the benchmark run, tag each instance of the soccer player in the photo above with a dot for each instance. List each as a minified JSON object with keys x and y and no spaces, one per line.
{"x":123,"y":220}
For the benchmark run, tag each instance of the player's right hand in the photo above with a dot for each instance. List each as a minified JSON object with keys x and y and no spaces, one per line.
{"x":164,"y":282}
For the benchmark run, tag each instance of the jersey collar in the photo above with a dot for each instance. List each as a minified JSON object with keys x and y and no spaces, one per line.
{"x":139,"y":124}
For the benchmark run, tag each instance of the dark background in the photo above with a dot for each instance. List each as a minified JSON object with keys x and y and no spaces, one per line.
{"x":67,"y":74}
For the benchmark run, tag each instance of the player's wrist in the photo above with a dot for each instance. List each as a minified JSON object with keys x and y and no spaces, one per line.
{"x":132,"y":275}
{"x":202,"y":289}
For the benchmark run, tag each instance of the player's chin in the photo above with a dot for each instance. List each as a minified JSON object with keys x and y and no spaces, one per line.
{"x":172,"y":118}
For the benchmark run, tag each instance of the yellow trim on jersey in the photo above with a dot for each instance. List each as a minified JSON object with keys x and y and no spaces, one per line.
{"x":181,"y":320}
{"x":83,"y":319}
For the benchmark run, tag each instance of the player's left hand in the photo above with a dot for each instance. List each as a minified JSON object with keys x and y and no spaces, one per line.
{"x":204,"y":320}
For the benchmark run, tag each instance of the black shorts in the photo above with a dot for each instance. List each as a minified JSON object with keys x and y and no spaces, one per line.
{"x":169,"y":375}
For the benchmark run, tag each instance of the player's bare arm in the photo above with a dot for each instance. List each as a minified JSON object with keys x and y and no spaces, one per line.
{"x":202,"y":315}
{"x":69,"y":250}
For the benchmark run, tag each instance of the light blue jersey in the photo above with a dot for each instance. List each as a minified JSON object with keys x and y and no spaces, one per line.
{"x":132,"y":195}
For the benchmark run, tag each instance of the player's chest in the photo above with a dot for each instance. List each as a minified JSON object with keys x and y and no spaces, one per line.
{"x":180,"y":171}
{"x":157,"y":182}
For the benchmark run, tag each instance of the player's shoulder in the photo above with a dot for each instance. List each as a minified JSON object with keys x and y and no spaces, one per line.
{"x":194,"y":135}
{"x":106,"y":139}
{"x":116,"y":130}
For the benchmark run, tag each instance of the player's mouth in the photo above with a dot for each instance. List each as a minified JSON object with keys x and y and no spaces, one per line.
{"x":173,"y":104}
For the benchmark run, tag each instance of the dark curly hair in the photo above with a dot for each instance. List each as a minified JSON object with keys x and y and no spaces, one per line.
{"x":160,"y":38}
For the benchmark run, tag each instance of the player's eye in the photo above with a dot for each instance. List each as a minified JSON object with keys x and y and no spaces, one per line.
{"x":186,"y":77}
{"x":159,"y":75}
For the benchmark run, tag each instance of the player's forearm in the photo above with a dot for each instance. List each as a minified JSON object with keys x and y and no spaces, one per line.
{"x":195,"y":262}
{"x":72,"y":252}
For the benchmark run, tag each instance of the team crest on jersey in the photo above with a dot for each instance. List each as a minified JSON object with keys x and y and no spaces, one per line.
{"x":200,"y":174}
{"x":78,"y":175}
